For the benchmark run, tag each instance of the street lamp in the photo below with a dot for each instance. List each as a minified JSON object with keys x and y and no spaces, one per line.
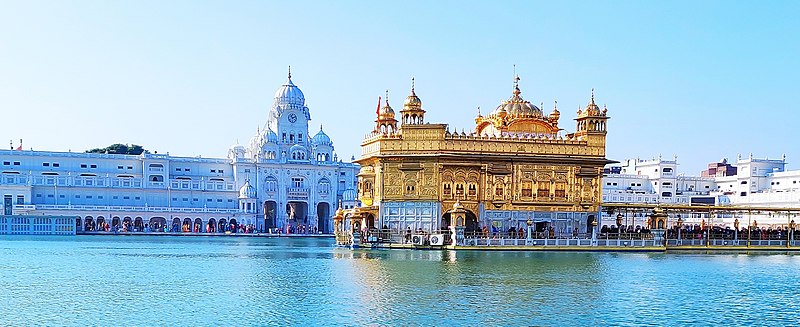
{"x":680,"y":224}
{"x":529,"y":222}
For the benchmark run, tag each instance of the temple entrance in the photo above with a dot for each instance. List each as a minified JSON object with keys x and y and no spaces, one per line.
{"x":198,"y":225}
{"x":270,"y":213}
{"x":323,"y":213}
{"x":221,"y":225}
{"x":126,"y":224}
{"x":101,"y":224}
{"x":115,"y":222}
{"x":78,"y":225}
{"x":234,"y":225}
{"x":296,"y":214}
{"x":589,"y":221}
{"x":88,"y":224}
{"x":471,"y":225}
{"x":176,"y":225}
{"x":187,"y":225}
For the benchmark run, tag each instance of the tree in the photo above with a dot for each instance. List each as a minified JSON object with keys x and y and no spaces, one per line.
{"x":120,"y":148}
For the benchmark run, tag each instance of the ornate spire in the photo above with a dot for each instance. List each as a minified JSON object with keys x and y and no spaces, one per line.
{"x":320,"y":127}
{"x":412,"y":87}
{"x":290,"y":71}
{"x":592,"y":95}
{"x":479,"y":111}
{"x":387,"y":98}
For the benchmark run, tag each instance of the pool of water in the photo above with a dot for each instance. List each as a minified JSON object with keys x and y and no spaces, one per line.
{"x":190,"y":281}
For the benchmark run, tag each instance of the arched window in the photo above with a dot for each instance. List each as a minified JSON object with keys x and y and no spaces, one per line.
{"x":324,"y":186}
{"x":271,"y":184}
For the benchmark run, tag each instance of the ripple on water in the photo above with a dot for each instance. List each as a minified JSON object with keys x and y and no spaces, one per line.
{"x":179,"y":281}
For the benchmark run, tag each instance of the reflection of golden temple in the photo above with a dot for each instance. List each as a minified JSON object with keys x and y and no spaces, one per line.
{"x":516,"y":165}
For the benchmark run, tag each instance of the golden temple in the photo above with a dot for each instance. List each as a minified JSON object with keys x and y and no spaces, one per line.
{"x":517,"y":166}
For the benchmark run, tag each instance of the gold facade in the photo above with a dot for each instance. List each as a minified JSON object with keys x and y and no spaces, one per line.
{"x":516,"y":159}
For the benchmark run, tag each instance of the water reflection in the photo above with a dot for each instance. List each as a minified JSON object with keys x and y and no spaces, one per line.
{"x":242,"y":281}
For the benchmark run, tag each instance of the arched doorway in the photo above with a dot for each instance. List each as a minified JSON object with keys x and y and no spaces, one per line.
{"x":211,"y":226}
{"x":234,"y":225}
{"x":158,"y":223}
{"x":187,"y":225}
{"x":88,"y":224}
{"x":100,"y":225}
{"x":176,"y":225}
{"x":221,"y":226}
{"x":296,"y":214}
{"x":115,"y":222}
{"x":370,"y":221}
{"x":471,"y":225}
{"x":78,"y":224}
{"x":138,"y":224}
{"x":198,"y":225}
{"x":589,"y":221}
{"x":323,"y":215}
{"x":270,"y":213}
{"x":127,"y":224}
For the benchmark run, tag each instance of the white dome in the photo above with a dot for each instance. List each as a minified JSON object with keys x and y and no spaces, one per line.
{"x":321,"y":138}
{"x":247,"y":191}
{"x":289,"y":94}
{"x":272,"y":137}
{"x":349,"y":195}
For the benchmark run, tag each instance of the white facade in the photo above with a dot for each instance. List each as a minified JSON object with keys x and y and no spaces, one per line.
{"x":274,"y":182}
{"x":757,"y":182}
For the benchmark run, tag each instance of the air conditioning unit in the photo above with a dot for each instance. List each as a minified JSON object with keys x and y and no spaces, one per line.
{"x":418,"y":239}
{"x":437,"y":239}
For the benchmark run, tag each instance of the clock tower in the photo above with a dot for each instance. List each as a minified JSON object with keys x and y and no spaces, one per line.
{"x":289,"y":116}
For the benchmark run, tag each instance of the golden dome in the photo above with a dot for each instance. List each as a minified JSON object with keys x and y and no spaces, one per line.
{"x":591,"y":109}
{"x":412,"y":101}
{"x":555,"y":114}
{"x":386,"y":112}
{"x":517,"y":106}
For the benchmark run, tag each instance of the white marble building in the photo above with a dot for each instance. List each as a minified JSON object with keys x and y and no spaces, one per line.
{"x":748,"y":182}
{"x":283,"y":177}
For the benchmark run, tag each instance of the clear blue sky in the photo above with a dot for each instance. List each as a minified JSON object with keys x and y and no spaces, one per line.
{"x":700,"y":79}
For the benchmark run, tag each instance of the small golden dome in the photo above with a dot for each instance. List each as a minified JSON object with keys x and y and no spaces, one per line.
{"x":412,"y":101}
{"x":555,"y":114}
{"x":386,"y":112}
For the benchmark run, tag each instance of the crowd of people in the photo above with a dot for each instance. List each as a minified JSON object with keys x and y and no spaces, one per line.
{"x":727,"y":233}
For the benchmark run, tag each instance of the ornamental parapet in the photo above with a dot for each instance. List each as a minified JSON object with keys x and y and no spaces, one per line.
{"x":72,"y":207}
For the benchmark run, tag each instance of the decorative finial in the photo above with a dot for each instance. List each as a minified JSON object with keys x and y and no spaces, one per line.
{"x":412,"y":85}
{"x":479,"y":111}
{"x":290,"y":71}
{"x":592,"y":95}
{"x":555,"y":106}
{"x":320,"y":127}
{"x":387,"y":97}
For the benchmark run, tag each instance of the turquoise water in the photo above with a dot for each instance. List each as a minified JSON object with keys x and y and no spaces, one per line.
{"x":192,"y":281}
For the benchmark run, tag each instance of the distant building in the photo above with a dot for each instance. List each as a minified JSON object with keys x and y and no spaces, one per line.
{"x":719,"y":169}
{"x":283,"y":177}
{"x":748,"y":182}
